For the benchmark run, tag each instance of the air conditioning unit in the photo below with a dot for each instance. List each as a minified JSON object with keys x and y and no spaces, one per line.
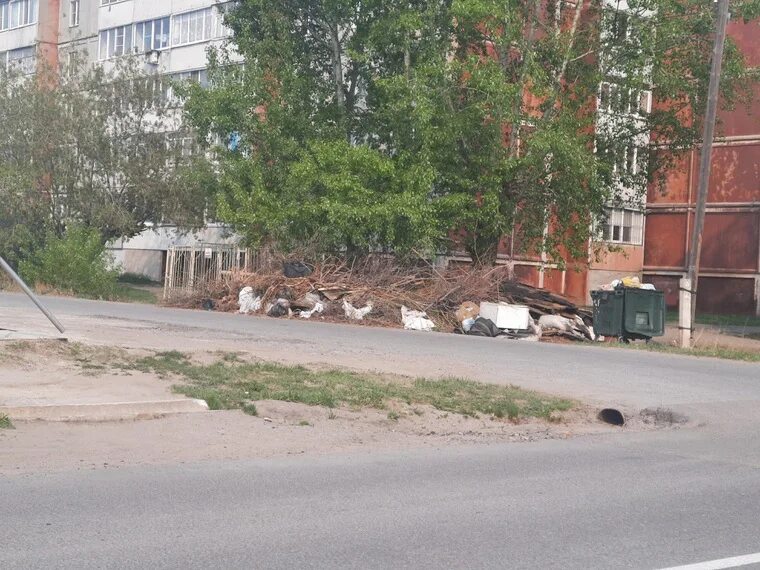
{"x":152,"y":57}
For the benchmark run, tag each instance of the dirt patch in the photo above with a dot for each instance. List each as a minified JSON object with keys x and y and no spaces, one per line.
{"x":713,"y":337}
{"x":283,"y":429}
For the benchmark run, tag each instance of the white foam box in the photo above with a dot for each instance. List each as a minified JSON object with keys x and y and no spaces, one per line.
{"x":506,"y":316}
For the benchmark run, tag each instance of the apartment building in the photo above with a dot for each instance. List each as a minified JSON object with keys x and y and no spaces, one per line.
{"x":652,"y":239}
{"x":171,"y":35}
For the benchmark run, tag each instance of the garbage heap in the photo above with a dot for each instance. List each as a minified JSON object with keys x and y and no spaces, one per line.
{"x":472,"y":301}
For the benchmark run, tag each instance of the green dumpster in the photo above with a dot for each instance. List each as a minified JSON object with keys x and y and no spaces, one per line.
{"x":629,"y":314}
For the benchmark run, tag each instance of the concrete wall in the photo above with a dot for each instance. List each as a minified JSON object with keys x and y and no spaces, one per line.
{"x":144,"y":253}
{"x":82,"y":38}
{"x":19,"y":37}
{"x":146,"y":262}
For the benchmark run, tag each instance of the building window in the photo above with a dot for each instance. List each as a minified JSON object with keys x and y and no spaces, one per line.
{"x":17,"y":13}
{"x":107,"y":2}
{"x":116,"y":42}
{"x":199,"y":76}
{"x":197,"y":26}
{"x":71,"y":63}
{"x":623,"y":226}
{"x":22,"y":60}
{"x":152,"y":35}
{"x":74,"y":13}
{"x":615,"y":99}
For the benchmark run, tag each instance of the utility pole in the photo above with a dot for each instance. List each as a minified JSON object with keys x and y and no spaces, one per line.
{"x":688,"y":295}
{"x":20,"y":282}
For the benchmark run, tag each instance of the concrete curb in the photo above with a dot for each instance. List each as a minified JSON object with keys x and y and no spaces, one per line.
{"x":15,"y":336}
{"x":102,"y":412}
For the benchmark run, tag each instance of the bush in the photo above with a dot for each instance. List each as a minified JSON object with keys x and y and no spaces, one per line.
{"x":76,"y":263}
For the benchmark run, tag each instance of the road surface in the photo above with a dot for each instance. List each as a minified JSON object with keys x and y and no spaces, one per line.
{"x":565,"y":505}
{"x":629,"y":500}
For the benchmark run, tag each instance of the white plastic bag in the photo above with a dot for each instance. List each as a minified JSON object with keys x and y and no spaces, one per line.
{"x":248,"y":301}
{"x":356,"y":314}
{"x":318,"y":308}
{"x":416,"y":320}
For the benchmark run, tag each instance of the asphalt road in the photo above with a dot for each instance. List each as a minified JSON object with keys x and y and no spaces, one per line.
{"x":630,"y":500}
{"x":581,"y":504}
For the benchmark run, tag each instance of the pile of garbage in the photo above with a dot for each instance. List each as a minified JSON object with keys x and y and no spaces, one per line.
{"x":506,"y":320}
{"x":629,"y":283}
{"x":380,"y":292}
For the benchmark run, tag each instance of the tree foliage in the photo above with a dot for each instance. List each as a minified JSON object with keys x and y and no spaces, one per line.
{"x":106,"y":149}
{"x":371,"y":124}
{"x":76,"y":262}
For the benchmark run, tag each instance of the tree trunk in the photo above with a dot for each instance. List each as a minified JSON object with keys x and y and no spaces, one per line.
{"x":337,"y":63}
{"x":483,"y":250}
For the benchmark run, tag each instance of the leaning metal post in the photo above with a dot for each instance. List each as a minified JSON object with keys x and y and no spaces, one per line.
{"x":20,"y":282}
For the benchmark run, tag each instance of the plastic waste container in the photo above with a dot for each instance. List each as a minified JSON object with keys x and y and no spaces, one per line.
{"x":629,"y":314}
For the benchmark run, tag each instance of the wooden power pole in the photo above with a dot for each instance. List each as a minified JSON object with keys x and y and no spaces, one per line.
{"x":689,"y":287}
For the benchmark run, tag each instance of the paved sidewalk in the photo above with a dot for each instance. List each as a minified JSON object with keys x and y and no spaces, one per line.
{"x":37,"y":384}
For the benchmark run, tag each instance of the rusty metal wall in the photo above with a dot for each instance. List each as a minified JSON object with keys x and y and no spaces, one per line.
{"x":730,"y":260}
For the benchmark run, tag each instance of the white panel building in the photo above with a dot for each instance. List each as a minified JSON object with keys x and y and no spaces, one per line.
{"x":172,"y":35}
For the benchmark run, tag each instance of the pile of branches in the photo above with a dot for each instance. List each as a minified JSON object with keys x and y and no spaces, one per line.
{"x":379,"y":280}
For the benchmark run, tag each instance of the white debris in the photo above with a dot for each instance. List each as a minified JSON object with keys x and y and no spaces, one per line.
{"x":318,"y":308}
{"x":556,"y":322}
{"x":574,"y":326}
{"x":248,"y":301}
{"x":467,"y":324}
{"x":356,"y":314}
{"x":416,"y":320}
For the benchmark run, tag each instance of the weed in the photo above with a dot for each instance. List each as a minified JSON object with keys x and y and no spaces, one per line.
{"x":136,"y":279}
{"x":332,"y":415}
{"x":230,"y":383}
{"x":5,"y":422}
{"x":304,"y":423}
{"x":714,"y":352}
{"x":128,"y":294}
{"x":250,"y":409}
{"x":393,"y":416}
{"x":719,"y":320}
{"x":77,"y":262}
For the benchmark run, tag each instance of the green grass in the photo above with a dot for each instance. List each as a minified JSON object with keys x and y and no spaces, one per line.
{"x":135,"y":279}
{"x":715,"y":352}
{"x":128,"y":294}
{"x":719,"y":320}
{"x":234,"y":384}
{"x":5,"y":422}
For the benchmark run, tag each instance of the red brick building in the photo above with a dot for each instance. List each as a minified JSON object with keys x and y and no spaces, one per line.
{"x":655,"y":246}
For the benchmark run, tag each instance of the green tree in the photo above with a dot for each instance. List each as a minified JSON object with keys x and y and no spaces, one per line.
{"x":304,"y":167}
{"x":77,"y":263}
{"x":107,"y":149}
{"x":370,"y":124}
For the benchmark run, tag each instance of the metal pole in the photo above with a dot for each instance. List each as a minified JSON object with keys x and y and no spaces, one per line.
{"x":705,"y":163}
{"x":20,"y":282}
